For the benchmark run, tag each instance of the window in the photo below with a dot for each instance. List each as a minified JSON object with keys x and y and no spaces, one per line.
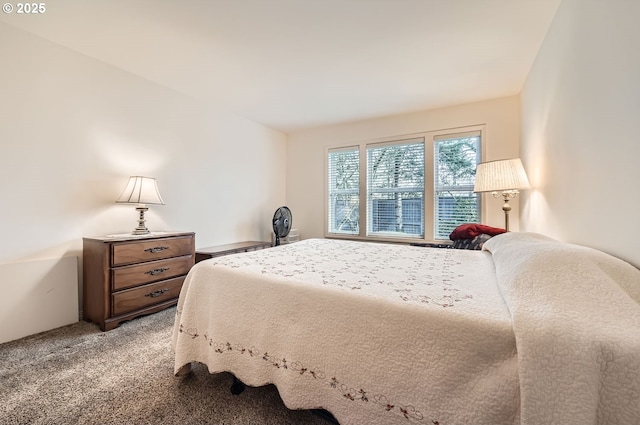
{"x":344,"y":191}
{"x":395,"y":189}
{"x":419,"y":187}
{"x":456,"y":157}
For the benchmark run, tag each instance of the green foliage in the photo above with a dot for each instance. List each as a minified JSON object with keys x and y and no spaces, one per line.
{"x":457,"y":161}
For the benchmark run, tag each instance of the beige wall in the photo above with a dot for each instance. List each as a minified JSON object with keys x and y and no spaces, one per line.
{"x":72,"y":130}
{"x":581,"y":128}
{"x":306,"y":153}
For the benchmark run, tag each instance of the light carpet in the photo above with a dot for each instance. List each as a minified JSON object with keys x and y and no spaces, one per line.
{"x":79,"y":375}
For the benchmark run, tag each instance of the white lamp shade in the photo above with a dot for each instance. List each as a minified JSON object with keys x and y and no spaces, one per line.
{"x":141,"y":190}
{"x":502,"y":175}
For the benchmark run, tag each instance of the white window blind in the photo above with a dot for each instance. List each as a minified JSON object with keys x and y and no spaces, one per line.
{"x":395,"y":189}
{"x":456,"y":157}
{"x":344,"y":190}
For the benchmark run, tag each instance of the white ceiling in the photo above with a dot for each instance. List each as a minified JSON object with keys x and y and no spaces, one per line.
{"x":294,"y":64}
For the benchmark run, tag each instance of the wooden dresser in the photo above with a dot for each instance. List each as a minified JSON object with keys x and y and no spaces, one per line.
{"x":126,"y":276}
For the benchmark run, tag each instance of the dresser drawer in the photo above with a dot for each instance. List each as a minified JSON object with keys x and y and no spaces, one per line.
{"x":127,"y":276}
{"x":136,"y":252}
{"x":142,"y":296}
{"x":135,"y":275}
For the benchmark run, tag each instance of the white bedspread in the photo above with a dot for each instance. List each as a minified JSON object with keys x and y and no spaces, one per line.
{"x":576,"y":317}
{"x":386,"y":334}
{"x":374,"y":333}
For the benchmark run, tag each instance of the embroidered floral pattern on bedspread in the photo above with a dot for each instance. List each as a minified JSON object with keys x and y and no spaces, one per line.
{"x":347,"y":391}
{"x":418,"y":276}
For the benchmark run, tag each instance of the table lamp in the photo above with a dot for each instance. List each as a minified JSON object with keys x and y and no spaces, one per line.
{"x":141,"y":191}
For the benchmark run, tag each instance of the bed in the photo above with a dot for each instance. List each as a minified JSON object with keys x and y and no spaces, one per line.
{"x":528,"y":330}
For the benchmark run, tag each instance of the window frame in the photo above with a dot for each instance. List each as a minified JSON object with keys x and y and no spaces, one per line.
{"x":460,"y":188}
{"x":328,"y":176}
{"x":429,"y":183}
{"x":369,"y":232}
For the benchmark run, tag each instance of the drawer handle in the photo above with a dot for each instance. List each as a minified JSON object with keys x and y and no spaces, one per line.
{"x":156,"y":293}
{"x":156,"y":249}
{"x":157,"y":271}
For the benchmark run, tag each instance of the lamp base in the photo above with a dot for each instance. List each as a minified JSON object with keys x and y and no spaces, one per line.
{"x":506,"y":208}
{"x":141,"y":229}
{"x":506,"y":195}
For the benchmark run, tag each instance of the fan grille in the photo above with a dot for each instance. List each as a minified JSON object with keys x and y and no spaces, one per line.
{"x":282,"y":220}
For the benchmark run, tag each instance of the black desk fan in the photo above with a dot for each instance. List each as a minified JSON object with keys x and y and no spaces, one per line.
{"x":282,"y":220}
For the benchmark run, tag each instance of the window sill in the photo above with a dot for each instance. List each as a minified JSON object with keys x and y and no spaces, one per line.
{"x":404,"y":241}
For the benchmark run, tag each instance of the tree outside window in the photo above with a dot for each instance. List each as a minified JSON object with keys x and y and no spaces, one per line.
{"x":455,"y":203}
{"x":344,"y":191}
